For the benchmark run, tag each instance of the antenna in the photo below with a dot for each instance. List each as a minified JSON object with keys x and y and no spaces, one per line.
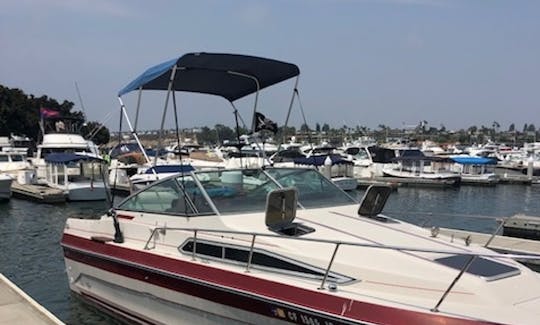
{"x":80,"y":100}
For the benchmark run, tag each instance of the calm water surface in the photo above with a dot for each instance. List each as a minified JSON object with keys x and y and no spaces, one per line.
{"x":31,"y":256}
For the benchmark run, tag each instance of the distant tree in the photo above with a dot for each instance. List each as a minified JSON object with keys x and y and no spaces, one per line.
{"x":443,"y":128}
{"x":531,"y":128}
{"x":326,"y":127}
{"x":496,"y":126}
{"x":224,"y":132}
{"x":512,"y":128}
{"x":304,"y":128}
{"x":20,"y":113}
{"x":525,"y":127}
{"x":318,"y":128}
{"x":96,"y":132}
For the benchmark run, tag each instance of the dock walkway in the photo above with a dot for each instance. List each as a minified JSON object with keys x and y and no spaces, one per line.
{"x":16,"y":307}
{"x":40,"y":193}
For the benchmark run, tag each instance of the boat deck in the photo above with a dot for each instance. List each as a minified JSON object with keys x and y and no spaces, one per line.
{"x":16,"y":307}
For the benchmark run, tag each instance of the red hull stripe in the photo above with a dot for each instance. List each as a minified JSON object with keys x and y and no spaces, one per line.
{"x":241,"y":290}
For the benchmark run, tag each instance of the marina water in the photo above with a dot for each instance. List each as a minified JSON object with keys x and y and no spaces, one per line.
{"x":31,"y":256}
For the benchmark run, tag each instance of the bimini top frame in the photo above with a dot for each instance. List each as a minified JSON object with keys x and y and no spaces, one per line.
{"x":230,"y":76}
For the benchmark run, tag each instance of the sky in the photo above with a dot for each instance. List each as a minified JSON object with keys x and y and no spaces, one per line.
{"x":362,"y":62}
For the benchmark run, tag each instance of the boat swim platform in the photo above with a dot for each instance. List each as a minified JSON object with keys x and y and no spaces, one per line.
{"x":16,"y":307}
{"x":40,"y":193}
{"x":503,"y":244}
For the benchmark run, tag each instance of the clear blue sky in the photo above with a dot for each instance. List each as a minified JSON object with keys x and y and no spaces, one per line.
{"x":366,"y":62}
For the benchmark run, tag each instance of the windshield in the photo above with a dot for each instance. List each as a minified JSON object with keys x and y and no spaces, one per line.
{"x":234,"y":191}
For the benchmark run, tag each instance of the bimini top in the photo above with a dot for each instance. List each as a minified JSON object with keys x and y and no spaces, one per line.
{"x":472,"y":160}
{"x":231,"y":76}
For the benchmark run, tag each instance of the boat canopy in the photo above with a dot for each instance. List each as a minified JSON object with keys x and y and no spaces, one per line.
{"x":319,"y":160}
{"x":161,"y":169}
{"x":474,"y":160}
{"x":231,"y":76}
{"x":66,"y":158}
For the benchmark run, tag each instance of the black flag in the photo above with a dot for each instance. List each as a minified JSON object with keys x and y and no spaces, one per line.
{"x":264,"y":123}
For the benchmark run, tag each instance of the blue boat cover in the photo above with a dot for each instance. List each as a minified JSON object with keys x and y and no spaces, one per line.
{"x":319,"y":160}
{"x":153,"y":152}
{"x":170,"y":169}
{"x":227,"y":75}
{"x":66,"y":158}
{"x":471,"y":160}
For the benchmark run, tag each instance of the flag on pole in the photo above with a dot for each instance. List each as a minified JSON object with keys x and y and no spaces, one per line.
{"x":264,"y":123}
{"x":48,"y":112}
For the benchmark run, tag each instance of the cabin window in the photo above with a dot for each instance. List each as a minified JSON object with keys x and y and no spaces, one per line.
{"x":488,"y":269}
{"x":260,"y":259}
{"x":17,"y":158}
{"x":4,"y":158}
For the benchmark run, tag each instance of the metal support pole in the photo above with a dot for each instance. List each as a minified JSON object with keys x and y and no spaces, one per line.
{"x":256,"y":94}
{"x":250,"y":257}
{"x":289,"y":112}
{"x":329,"y":266}
{"x":465,"y":267}
{"x":164,"y":115}
{"x":123,"y":109}
{"x":495,"y":232}
{"x":138,"y":109}
{"x":194,"y":245}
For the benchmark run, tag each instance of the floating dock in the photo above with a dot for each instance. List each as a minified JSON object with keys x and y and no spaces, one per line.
{"x":16,"y":307}
{"x":415,"y":182}
{"x":38,"y":193}
{"x":402,"y":181}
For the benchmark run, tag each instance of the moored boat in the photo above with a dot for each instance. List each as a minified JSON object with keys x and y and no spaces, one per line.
{"x":81,"y":177}
{"x":272,"y":245}
{"x":5,"y":187}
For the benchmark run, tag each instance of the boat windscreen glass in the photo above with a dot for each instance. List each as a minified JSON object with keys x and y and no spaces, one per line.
{"x":175,"y":196}
{"x":314,"y":190}
{"x":234,"y":191}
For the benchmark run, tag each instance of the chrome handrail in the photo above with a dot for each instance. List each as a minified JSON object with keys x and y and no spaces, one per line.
{"x":472,"y":256}
{"x":329,"y":241}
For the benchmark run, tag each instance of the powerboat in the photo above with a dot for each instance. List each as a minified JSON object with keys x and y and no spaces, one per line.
{"x":422,"y":168}
{"x":61,"y":140}
{"x":284,"y":244}
{"x":476,"y":170}
{"x":5,"y":186}
{"x":80,"y":177}
{"x":13,"y":162}
{"x":274,"y":245}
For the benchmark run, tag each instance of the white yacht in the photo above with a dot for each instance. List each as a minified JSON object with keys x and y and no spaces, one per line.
{"x":13,"y":161}
{"x":80,"y":177}
{"x":5,"y":186}
{"x":61,"y":143}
